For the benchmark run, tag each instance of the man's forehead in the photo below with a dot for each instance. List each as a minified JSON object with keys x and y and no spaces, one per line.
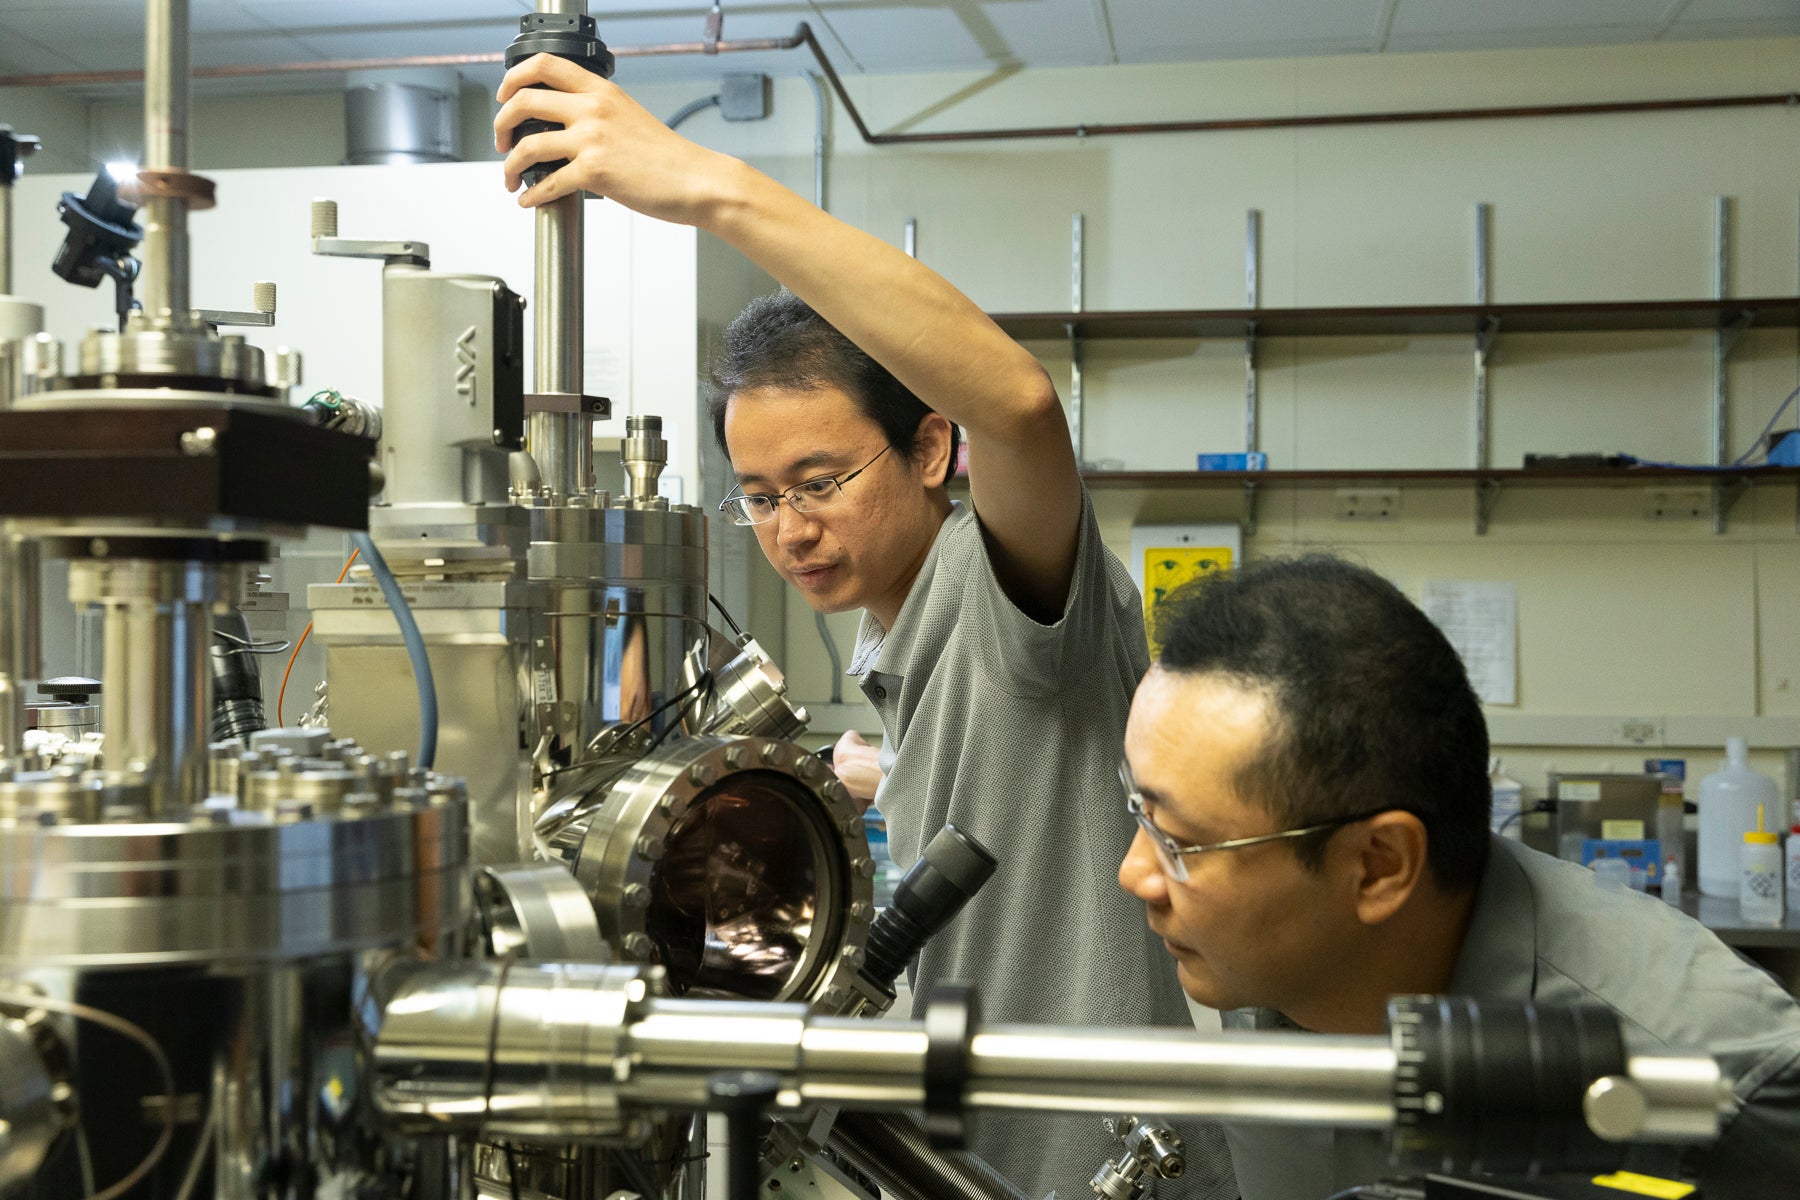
{"x":1191,"y":732}
{"x":773,"y":434}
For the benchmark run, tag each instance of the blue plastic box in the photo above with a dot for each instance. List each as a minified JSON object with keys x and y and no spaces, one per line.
{"x":1256,"y":460}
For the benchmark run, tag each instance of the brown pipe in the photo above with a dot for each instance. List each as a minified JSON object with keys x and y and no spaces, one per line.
{"x":803,"y":36}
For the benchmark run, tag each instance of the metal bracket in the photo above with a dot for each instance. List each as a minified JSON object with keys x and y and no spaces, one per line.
{"x":1733,"y":332}
{"x":417,"y":254}
{"x":1487,"y":495}
{"x":1249,"y":510}
{"x":568,"y":402}
{"x":262,"y":295}
{"x":1725,"y":495}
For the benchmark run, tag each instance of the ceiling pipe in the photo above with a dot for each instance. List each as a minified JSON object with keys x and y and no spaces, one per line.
{"x":803,"y":36}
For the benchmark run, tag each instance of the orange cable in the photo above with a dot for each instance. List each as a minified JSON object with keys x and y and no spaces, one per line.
{"x":281,"y":696}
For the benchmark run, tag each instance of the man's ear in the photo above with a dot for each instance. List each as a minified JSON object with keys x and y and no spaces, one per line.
{"x":931,"y":449}
{"x":1390,"y":858}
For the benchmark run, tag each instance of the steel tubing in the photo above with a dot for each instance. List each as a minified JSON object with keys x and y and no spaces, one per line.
{"x":157,"y":633}
{"x":555,"y":1034}
{"x":6,"y":236}
{"x":21,"y":620}
{"x":559,"y":442}
{"x":164,"y":286}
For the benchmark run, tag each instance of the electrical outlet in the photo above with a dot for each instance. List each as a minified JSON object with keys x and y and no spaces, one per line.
{"x":1368,"y":504}
{"x":1639,"y":731}
{"x":1677,"y":503}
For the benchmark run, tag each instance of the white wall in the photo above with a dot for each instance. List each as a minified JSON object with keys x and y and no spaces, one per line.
{"x":1618,"y":616}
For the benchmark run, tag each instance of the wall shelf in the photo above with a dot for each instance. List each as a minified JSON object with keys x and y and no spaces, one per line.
{"x":1446,"y":319}
{"x":1724,"y":318}
{"x":1727,"y":487}
{"x":1509,"y":477}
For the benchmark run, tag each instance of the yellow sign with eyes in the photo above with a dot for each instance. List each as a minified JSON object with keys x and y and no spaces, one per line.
{"x":1167,"y":568}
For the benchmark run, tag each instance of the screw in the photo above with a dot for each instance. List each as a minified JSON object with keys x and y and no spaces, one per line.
{"x":639,"y":944}
{"x":200,"y":443}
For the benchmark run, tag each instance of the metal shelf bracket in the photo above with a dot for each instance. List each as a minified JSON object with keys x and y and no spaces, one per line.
{"x":1487,"y":495}
{"x":1725,"y":495}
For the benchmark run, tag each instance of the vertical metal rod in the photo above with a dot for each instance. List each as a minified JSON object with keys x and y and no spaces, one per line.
{"x":164,"y":282}
{"x":911,"y":242}
{"x":6,"y":236}
{"x":1484,"y":224}
{"x":561,"y":443}
{"x":1076,"y":300}
{"x":1721,"y":289}
{"x":20,"y":635}
{"x":1253,"y":298}
{"x":1252,"y":387}
{"x":1721,"y":353}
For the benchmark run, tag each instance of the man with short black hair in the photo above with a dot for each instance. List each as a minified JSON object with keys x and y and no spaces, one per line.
{"x":1000,"y":639}
{"x":1307,"y":766}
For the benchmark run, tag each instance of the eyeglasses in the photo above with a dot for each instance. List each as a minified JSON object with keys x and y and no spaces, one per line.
{"x":1171,"y":854}
{"x":758,"y":508}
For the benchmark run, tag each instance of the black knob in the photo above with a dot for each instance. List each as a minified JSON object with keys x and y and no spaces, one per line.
{"x":70,"y":689}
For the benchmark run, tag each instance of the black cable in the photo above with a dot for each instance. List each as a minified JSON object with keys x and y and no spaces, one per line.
{"x":705,"y":681}
{"x":735,"y":627}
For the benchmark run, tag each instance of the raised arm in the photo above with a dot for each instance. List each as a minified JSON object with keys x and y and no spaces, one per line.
{"x":1022,"y":470}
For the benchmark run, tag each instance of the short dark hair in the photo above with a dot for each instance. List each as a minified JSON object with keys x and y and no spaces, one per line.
{"x":778,"y":341}
{"x":1371,"y":703}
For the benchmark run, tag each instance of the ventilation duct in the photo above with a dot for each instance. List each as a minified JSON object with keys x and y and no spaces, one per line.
{"x":401,"y":117}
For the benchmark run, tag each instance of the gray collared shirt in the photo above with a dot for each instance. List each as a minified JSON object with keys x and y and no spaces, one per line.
{"x":1012,"y":730}
{"x":1543,"y":931}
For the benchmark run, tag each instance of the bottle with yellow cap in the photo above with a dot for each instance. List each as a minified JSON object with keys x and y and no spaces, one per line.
{"x":1759,"y":893}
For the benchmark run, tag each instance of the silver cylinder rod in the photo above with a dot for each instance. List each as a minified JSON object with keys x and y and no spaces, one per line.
{"x":156,"y":630}
{"x":6,"y":236}
{"x":573,"y":1050}
{"x":163,"y":284}
{"x":561,"y":442}
{"x":20,"y":632}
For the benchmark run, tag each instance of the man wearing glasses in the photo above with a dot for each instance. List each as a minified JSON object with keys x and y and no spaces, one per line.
{"x":1307,"y":766}
{"x":1000,"y":650}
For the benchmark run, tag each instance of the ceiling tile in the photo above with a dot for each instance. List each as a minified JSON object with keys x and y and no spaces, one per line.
{"x":1539,"y":20}
{"x":1738,"y":10}
{"x":297,"y":15}
{"x":1161,"y":30}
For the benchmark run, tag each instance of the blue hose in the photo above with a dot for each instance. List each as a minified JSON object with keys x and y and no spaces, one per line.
{"x":415,"y":647}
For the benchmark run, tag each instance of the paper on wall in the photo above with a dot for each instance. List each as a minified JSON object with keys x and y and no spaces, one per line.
{"x":1482,"y":622}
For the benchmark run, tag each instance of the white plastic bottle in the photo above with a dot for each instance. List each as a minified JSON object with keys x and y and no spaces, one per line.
{"x":1759,"y":889}
{"x":1793,"y":864}
{"x":1507,"y":816}
{"x":1729,"y":798}
{"x":1671,"y":883}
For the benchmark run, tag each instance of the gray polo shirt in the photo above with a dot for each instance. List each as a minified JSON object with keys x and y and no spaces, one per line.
{"x":1012,"y":730}
{"x":1543,"y":931}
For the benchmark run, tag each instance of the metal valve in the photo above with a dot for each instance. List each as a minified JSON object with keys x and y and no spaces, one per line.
{"x":1152,"y":1148}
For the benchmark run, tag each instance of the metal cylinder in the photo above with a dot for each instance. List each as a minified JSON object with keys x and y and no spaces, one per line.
{"x":576,"y":1048}
{"x":21,"y":645}
{"x":562,"y":442}
{"x":6,"y":236}
{"x":401,"y":117}
{"x":556,"y":1063}
{"x":164,"y":251}
{"x":157,"y":628}
{"x":645,"y":454}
